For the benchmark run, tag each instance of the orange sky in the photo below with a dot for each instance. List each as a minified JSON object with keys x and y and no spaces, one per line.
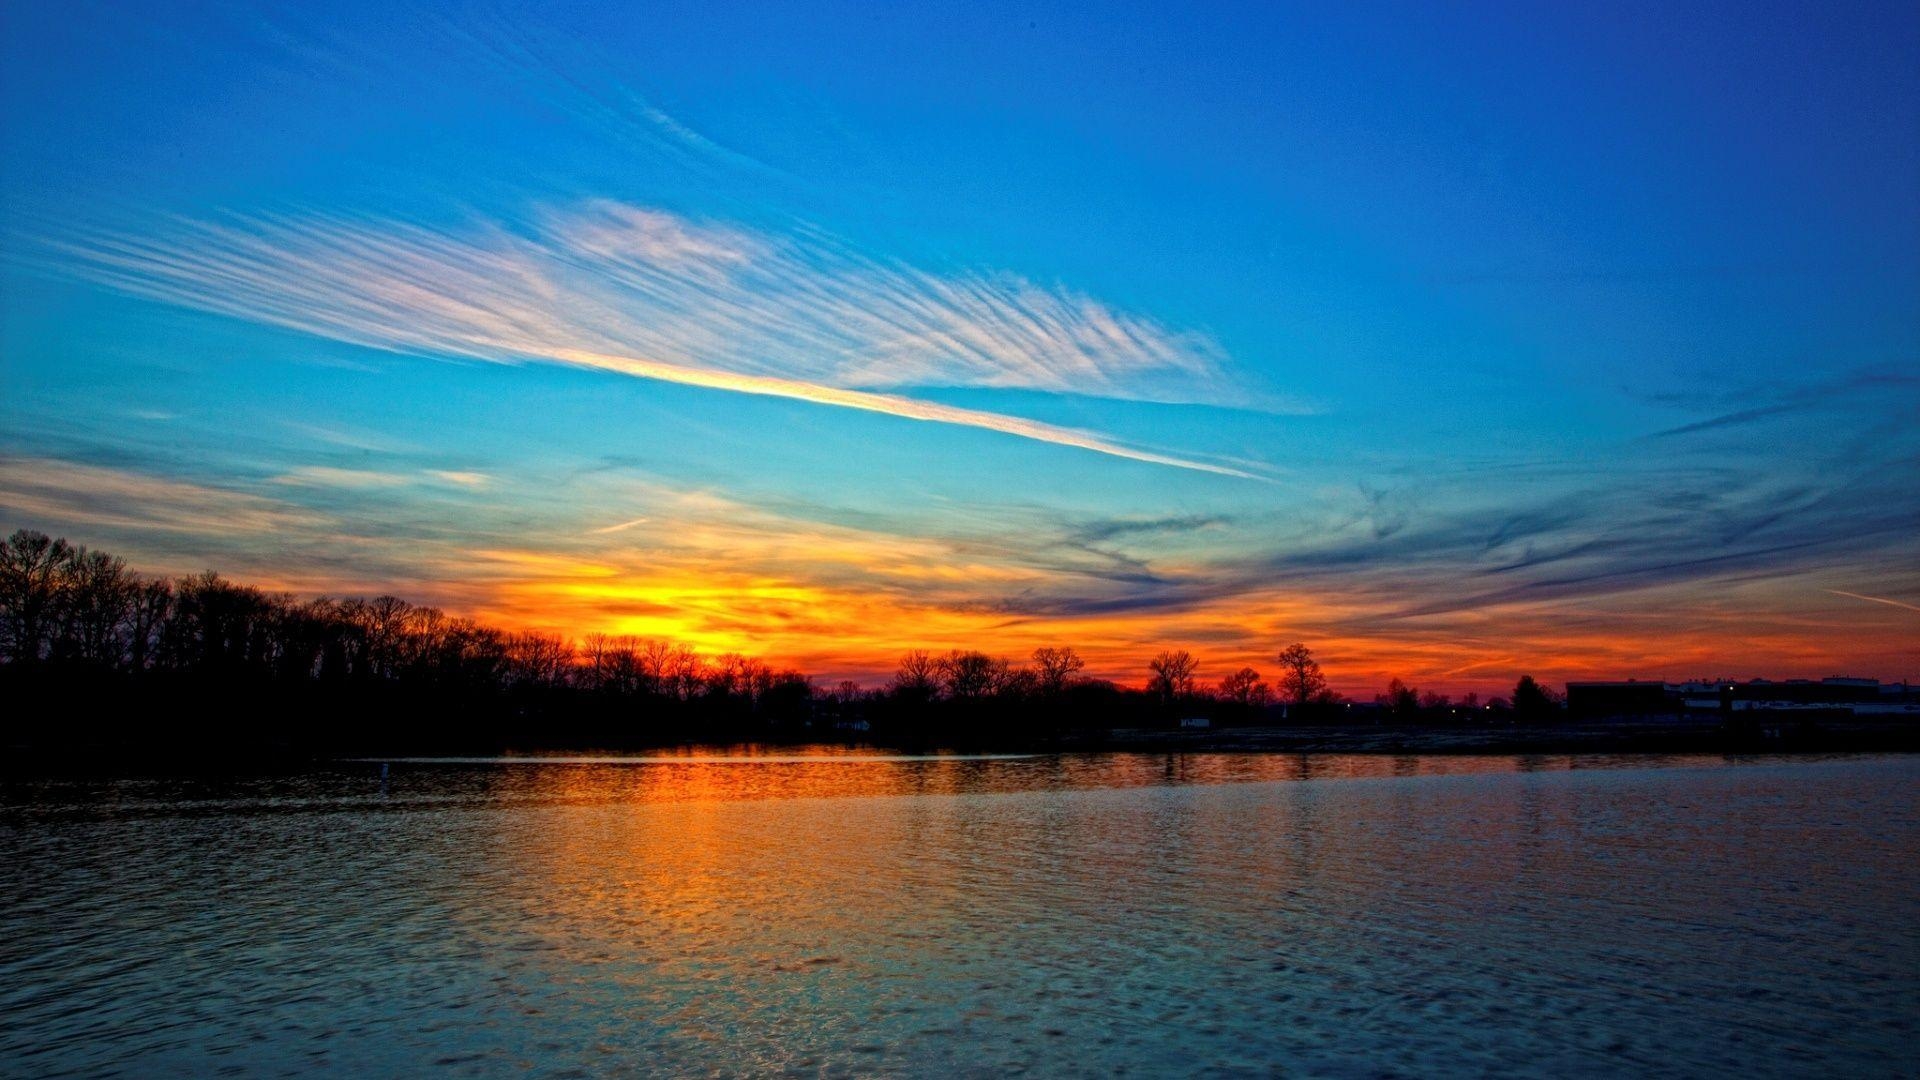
{"x":845,"y":601}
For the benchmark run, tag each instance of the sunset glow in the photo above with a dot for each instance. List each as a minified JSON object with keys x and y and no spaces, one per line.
{"x":800,"y":338}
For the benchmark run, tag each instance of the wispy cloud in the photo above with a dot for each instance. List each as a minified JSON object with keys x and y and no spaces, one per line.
{"x":1679,"y":533}
{"x":845,"y":599}
{"x":49,"y":493}
{"x":618,"y":526}
{"x":1875,"y":599}
{"x":352,"y":440}
{"x":461,"y":477}
{"x":1860,"y":388}
{"x":658,"y":296}
{"x":328,"y":476}
{"x":1732,"y":419}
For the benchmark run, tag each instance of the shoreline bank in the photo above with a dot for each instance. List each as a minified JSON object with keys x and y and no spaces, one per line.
{"x":1653,"y":737}
{"x":1664,"y":736}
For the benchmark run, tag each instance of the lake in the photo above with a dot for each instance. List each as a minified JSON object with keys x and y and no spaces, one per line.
{"x":760,"y":913}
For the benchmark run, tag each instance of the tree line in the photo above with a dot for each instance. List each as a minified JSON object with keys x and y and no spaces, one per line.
{"x":116,"y":658}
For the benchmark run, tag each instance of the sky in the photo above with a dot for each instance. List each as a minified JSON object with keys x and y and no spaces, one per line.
{"x":1455,"y":341}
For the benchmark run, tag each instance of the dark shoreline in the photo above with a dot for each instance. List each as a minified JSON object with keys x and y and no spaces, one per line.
{"x":1661,"y":737}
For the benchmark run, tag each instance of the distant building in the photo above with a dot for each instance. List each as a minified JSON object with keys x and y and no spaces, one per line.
{"x":1195,"y":722}
{"x":1834,"y":697}
{"x":1631,"y":697}
{"x":1832,"y":691}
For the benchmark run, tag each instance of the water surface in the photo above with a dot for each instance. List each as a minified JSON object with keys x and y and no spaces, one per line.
{"x":1087,"y":914}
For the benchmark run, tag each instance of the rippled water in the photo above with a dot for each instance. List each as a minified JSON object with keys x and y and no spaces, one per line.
{"x":1065,"y":915}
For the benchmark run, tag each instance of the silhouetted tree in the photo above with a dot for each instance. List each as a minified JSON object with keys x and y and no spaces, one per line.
{"x":533,"y":659}
{"x":1533,"y":702}
{"x":96,"y":601}
{"x":1401,"y":699}
{"x":728,"y":675}
{"x":1245,"y":688}
{"x":613,"y":666}
{"x":918,"y":677}
{"x":220,"y":658}
{"x":680,"y":672}
{"x":1055,"y":668}
{"x":967,"y":676}
{"x":31,"y":565}
{"x":386,"y":622}
{"x":1172,"y":678}
{"x":147,"y":619}
{"x":1300,"y":678}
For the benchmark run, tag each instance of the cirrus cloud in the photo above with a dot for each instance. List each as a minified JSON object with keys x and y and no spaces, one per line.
{"x":658,"y":296}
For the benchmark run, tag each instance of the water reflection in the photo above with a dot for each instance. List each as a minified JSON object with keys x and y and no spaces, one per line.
{"x":1074,"y":915}
{"x":728,"y":774}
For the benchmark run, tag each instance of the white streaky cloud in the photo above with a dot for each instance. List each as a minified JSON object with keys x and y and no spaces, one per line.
{"x":1875,"y":599}
{"x":461,"y":477}
{"x":890,"y":404}
{"x":352,"y":439}
{"x":621,"y":526}
{"x":331,"y":477}
{"x":659,"y":296}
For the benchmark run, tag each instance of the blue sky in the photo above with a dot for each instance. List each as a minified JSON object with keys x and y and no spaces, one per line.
{"x":1460,"y":341}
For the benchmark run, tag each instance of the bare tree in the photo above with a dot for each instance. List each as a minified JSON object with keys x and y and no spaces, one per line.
{"x":613,"y":664}
{"x":1245,"y":687}
{"x":218,"y":625}
{"x":1054,"y":668}
{"x":96,"y":602}
{"x":31,"y":566}
{"x":63,"y":608}
{"x":388,"y":619}
{"x":734,"y":675}
{"x":536,"y":659}
{"x":1300,"y":678}
{"x":147,"y":620}
{"x":729,"y":674}
{"x":659,"y":666}
{"x":303,"y":635}
{"x":420,"y":640}
{"x":969,"y":675}
{"x":683,"y":673}
{"x":1172,"y":675}
{"x":918,"y":676}
{"x":1404,"y":700}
